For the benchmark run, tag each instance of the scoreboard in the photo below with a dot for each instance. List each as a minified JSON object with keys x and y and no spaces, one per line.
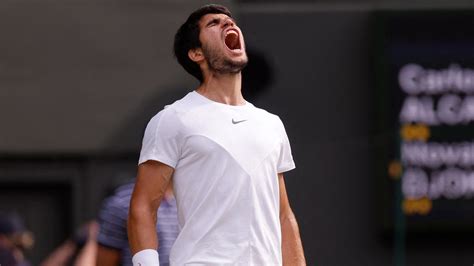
{"x":424,"y":119}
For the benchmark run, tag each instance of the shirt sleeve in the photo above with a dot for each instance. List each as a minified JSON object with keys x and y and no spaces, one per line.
{"x":161,"y":141}
{"x":285,"y":160}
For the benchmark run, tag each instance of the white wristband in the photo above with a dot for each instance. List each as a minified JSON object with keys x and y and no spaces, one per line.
{"x":146,"y":257}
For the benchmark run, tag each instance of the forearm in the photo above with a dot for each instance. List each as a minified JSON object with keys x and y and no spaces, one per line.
{"x":142,"y":228}
{"x":61,"y":254}
{"x":292,"y":248}
{"x":153,"y":178}
{"x":88,"y":255}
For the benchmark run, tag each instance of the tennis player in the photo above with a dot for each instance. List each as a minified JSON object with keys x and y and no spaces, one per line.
{"x":225,"y":157}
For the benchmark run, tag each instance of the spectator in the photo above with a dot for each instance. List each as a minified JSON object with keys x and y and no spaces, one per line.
{"x":80,"y":250}
{"x":14,"y":240}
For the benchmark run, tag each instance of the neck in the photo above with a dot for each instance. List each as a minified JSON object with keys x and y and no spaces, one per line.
{"x":223,"y":88}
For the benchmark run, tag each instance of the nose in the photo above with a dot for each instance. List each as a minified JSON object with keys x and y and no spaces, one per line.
{"x":228,"y":23}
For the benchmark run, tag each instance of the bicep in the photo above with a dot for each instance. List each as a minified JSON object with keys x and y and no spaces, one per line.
{"x":153,"y":178}
{"x":285,"y":208}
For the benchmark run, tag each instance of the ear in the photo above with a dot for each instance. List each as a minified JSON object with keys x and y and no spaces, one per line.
{"x":196,"y":55}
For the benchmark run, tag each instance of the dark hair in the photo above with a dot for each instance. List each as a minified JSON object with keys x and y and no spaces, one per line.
{"x":187,"y":38}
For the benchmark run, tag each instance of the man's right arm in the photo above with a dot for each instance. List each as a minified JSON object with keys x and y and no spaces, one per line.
{"x":152,"y":180}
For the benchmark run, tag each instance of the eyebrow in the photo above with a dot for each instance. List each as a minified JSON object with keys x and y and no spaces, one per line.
{"x":214,"y":20}
{"x":217,"y":20}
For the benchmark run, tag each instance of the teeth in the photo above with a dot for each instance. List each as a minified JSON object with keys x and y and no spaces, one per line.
{"x":231,"y":32}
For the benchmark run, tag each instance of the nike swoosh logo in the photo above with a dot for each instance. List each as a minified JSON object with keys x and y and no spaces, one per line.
{"x":238,"y":121}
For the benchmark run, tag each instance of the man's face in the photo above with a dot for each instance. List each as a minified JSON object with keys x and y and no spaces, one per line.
{"x":222,"y":44}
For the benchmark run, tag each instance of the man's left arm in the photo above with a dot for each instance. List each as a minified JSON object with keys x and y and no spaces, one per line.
{"x":292,"y":248}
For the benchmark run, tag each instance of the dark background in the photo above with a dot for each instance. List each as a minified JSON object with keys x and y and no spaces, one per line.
{"x":79,"y":79}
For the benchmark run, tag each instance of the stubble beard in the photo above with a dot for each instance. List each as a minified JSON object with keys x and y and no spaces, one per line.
{"x":219,"y":64}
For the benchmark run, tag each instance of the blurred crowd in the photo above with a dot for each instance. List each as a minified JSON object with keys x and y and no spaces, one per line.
{"x":102,"y":241}
{"x":14,"y":240}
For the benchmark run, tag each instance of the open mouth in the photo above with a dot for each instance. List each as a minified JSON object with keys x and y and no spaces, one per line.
{"x":232,"y":40}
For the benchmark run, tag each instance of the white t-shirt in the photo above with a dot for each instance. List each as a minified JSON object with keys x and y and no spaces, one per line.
{"x":226,"y":160}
